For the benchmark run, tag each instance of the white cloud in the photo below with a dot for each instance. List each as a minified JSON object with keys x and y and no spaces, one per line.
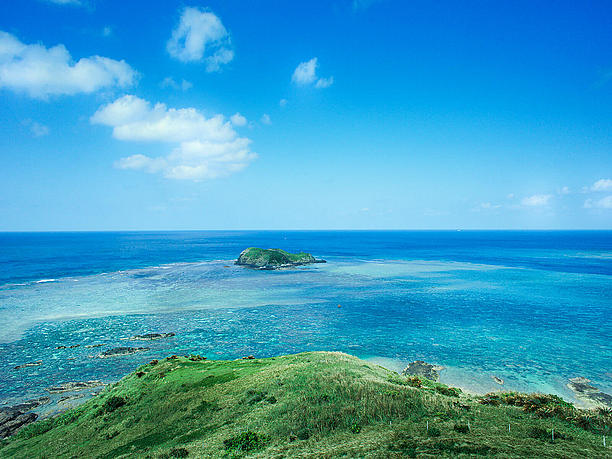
{"x":205,"y":148}
{"x":602,"y":185}
{"x":324,"y":82}
{"x":282,"y":102}
{"x":199,"y":36}
{"x":42,"y":72}
{"x":265,"y":119}
{"x":107,"y":31}
{"x":536,"y":200}
{"x":603,"y":203}
{"x":238,"y":120}
{"x":170,"y":82}
{"x":306,"y":74}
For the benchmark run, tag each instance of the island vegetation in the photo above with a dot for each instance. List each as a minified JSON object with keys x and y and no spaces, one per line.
{"x":255,"y":257}
{"x":317,"y":404}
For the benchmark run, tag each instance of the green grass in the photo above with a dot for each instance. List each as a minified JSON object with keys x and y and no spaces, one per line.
{"x":319,"y":404}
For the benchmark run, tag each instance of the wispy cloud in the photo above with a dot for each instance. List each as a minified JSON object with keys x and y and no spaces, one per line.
{"x":537,"y":200}
{"x":41,"y":72}
{"x":170,"y":82}
{"x":602,"y":185}
{"x":564,"y":191}
{"x":305,"y":74}
{"x":282,"y":102}
{"x":484,"y":206}
{"x":200,"y":36}
{"x":603,"y":203}
{"x":205,"y":148}
{"x":37,"y":129}
{"x":265,"y":119}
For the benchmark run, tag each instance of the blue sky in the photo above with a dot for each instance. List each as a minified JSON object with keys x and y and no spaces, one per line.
{"x":305,"y":115}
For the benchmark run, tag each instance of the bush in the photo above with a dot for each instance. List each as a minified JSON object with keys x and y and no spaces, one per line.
{"x":433,"y":432}
{"x":112,"y":403}
{"x":448,"y":391}
{"x":179,"y":452}
{"x":355,"y":428}
{"x":461,"y":428}
{"x":246,"y":441}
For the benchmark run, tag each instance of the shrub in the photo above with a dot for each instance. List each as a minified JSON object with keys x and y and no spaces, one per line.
{"x":246,"y":441}
{"x":461,"y":428}
{"x":448,"y":391}
{"x":355,"y":428}
{"x":112,"y":403}
{"x":433,"y":432}
{"x":179,"y":452}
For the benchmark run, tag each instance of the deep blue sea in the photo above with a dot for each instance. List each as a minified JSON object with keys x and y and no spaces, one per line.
{"x":530,"y":307}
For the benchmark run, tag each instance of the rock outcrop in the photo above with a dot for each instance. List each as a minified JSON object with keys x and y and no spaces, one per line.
{"x":74,"y":386}
{"x":121,"y":351}
{"x":151,"y":336}
{"x":13,"y":418}
{"x":31,"y":364}
{"x":424,"y":369}
{"x":589,"y":393}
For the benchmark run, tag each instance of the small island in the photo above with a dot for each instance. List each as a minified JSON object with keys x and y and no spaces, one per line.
{"x":254,"y":257}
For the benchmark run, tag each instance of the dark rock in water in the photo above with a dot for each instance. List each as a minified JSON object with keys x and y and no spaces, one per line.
{"x":120,"y":351}
{"x":74,"y":386}
{"x":255,"y":257}
{"x":589,"y":393}
{"x":498,"y":380}
{"x":248,"y":357}
{"x":12,"y":418}
{"x":152,"y":336}
{"x":89,"y":346}
{"x":68,"y":398}
{"x":60,"y":347}
{"x":73,"y":346}
{"x":424,"y":369}
{"x":31,"y":364}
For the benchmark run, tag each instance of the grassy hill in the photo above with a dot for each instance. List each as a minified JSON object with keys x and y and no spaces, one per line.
{"x":319,"y":404}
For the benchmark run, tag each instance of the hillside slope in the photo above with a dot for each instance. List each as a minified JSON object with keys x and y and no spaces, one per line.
{"x":319,"y":404}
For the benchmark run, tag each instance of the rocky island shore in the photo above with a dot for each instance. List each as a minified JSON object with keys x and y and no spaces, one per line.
{"x":254,"y":257}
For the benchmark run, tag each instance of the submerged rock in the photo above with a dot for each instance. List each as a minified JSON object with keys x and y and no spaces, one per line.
{"x":120,"y":351}
{"x":74,"y":386}
{"x":255,"y":257}
{"x":89,"y":346}
{"x":31,"y":364}
{"x":12,"y":418}
{"x":68,"y":398}
{"x":152,"y":336}
{"x":498,"y":380}
{"x":424,"y":369}
{"x":589,"y":393}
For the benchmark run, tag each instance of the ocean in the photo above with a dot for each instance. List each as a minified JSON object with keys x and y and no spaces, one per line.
{"x":529,"y":307}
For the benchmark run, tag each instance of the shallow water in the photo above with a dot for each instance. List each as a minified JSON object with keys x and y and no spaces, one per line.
{"x":532,"y":308}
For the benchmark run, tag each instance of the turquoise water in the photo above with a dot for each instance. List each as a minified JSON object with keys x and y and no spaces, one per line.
{"x":532,"y":308}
